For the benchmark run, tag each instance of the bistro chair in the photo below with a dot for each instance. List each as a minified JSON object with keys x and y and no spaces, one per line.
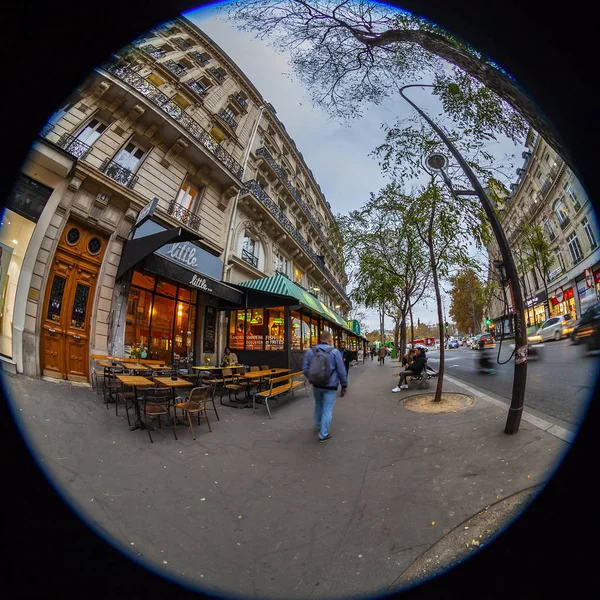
{"x":156,"y":404}
{"x":264,"y":367}
{"x":196,"y":403}
{"x":112,"y":385}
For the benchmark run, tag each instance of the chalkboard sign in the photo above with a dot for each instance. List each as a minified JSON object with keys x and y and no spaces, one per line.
{"x":210,"y":326}
{"x":28,"y":198}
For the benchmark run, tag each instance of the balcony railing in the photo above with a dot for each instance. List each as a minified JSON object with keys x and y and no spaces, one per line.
{"x":243,"y":102}
{"x":153,"y":51}
{"x":175,"y":68}
{"x":228,"y":117}
{"x":187,"y":217}
{"x":46,"y":130}
{"x":217,"y":74}
{"x":120,"y":174}
{"x":182,"y":43}
{"x":250,"y":258}
{"x":203,"y":60}
{"x":263,"y":152}
{"x":254,"y":188}
{"x":551,"y":236}
{"x":162,"y":101}
{"x":73,"y":146}
{"x":555,"y":170}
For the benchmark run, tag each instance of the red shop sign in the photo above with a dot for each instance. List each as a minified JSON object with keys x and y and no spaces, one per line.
{"x":597,"y":276}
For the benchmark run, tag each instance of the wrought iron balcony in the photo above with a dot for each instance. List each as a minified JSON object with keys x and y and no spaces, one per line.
{"x":203,"y":60}
{"x":162,"y":101}
{"x":46,"y":130}
{"x":551,"y":236}
{"x":229,"y":118}
{"x":217,"y":74}
{"x":250,"y":258}
{"x":187,"y":217}
{"x":264,"y":153}
{"x":182,"y":43}
{"x":120,"y":174}
{"x":555,"y":170}
{"x":254,"y":188}
{"x":243,"y":102}
{"x":175,"y":68}
{"x":73,"y":146}
{"x":153,"y":51}
{"x":198,"y":87}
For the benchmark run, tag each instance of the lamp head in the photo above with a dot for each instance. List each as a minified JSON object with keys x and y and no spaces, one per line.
{"x":436,"y":162}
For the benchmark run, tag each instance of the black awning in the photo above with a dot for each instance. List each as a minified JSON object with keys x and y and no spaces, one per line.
{"x":136,"y":250}
{"x":170,"y":270}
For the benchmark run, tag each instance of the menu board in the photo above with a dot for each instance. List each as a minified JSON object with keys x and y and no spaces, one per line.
{"x":210,"y":327}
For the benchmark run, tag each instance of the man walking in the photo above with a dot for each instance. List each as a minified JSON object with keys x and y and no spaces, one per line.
{"x":345,"y":356}
{"x":324,"y":368}
{"x":382,"y":354}
{"x":417,"y":366}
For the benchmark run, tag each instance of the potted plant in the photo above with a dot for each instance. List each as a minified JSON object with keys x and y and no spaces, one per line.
{"x":138,"y":351}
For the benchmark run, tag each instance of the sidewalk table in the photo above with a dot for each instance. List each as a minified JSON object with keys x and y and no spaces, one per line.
{"x":174,"y":383}
{"x":136,"y":381}
{"x":211,"y":368}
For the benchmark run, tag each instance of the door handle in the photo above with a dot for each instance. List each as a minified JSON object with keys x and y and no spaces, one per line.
{"x":77,"y":337}
{"x":52,"y":330}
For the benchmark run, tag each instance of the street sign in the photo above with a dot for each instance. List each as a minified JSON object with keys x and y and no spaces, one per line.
{"x":146,"y":212}
{"x":559,"y":294}
{"x":589,"y":278}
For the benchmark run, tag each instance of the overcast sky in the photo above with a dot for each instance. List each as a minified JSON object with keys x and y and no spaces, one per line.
{"x":337,"y":154}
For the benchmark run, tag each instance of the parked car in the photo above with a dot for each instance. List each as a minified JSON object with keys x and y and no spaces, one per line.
{"x":587,"y":331}
{"x":554,"y":328}
{"x":453,"y":343}
{"x":474,"y":341}
{"x":463,"y":341}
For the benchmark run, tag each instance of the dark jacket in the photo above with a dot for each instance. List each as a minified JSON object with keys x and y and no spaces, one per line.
{"x":338,"y":370}
{"x":418,"y":364}
{"x":345,"y":356}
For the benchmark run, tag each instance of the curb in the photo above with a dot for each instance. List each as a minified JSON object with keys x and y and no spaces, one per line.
{"x":555,"y":430}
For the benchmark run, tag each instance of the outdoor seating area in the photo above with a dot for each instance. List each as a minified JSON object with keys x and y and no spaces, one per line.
{"x":155,"y":392}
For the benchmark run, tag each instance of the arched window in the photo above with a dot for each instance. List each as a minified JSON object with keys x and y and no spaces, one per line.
{"x":252,"y":251}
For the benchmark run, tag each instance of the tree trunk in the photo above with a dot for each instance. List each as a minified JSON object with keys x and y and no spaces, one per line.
{"x":403,"y":334}
{"x":397,"y":333}
{"x":412,"y":329}
{"x":382,"y":324}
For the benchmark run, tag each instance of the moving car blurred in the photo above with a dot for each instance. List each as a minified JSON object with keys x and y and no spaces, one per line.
{"x":587,"y":331}
{"x":474,"y":341}
{"x":486,"y":340}
{"x":554,"y":328}
{"x":453,"y":343}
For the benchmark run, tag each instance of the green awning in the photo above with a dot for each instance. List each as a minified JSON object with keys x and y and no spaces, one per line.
{"x":281,"y":285}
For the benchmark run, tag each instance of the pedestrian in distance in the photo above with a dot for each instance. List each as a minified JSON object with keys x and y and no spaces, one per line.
{"x":324,"y":368}
{"x":382,"y":354}
{"x":417,"y":367}
{"x":345,"y":356}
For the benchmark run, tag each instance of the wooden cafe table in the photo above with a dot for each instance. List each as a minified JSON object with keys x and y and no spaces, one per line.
{"x":174,"y":383}
{"x":136,"y":381}
{"x":210,"y":368}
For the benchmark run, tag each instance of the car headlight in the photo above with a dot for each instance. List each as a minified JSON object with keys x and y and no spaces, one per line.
{"x":534,"y":338}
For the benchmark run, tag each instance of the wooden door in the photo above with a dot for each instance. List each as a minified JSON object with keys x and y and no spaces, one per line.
{"x":68,"y":304}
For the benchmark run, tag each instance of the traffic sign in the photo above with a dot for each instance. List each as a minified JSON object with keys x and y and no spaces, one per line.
{"x":589,"y":278}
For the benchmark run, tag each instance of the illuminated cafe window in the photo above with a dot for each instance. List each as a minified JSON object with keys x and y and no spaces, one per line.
{"x":305,"y":332}
{"x":296,"y":331}
{"x":254,"y":330}
{"x":237,"y":328}
{"x":275,"y":329}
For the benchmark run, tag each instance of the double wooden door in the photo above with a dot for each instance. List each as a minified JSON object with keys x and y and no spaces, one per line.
{"x":65,"y":331}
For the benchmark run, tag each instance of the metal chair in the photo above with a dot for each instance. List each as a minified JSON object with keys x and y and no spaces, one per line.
{"x":264,"y":367}
{"x":196,"y":403}
{"x":112,"y":385}
{"x":156,"y":404}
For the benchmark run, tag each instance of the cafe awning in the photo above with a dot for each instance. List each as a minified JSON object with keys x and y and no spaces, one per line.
{"x":282,"y":286}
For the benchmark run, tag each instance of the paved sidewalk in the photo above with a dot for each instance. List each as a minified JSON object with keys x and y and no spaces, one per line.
{"x":259,"y":508}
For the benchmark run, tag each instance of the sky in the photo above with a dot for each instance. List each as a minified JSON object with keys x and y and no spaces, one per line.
{"x":337,"y":154}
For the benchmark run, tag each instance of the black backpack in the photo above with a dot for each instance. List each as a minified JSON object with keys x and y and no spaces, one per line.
{"x":319,"y":372}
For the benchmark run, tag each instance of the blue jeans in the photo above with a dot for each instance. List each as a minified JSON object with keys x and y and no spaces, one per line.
{"x":324,"y":401}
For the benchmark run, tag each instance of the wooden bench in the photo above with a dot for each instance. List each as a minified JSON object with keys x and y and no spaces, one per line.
{"x":279,"y":386}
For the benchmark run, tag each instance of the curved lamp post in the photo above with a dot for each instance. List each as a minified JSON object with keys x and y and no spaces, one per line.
{"x":506,"y":267}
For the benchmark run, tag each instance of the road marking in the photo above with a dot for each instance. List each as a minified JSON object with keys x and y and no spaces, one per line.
{"x":555,"y":430}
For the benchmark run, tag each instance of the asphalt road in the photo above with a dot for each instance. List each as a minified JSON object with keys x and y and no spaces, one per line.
{"x":560,"y":382}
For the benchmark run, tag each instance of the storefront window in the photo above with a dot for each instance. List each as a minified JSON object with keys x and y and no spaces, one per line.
{"x":15,"y":233}
{"x":295,"y":330}
{"x":314,"y":332}
{"x":164,"y":326}
{"x":275,"y":329}
{"x":237,"y":327}
{"x":254,"y":336}
{"x":305,"y":332}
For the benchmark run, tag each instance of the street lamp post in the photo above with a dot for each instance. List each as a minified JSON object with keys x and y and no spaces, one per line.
{"x":520,"y":374}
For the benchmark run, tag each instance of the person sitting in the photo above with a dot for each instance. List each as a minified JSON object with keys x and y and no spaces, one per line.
{"x":229,"y":358}
{"x":415,"y":369}
{"x":408,"y":358}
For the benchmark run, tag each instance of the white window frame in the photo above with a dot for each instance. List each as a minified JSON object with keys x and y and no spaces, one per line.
{"x":572,"y":195}
{"x":60,"y":113}
{"x":185,"y":199}
{"x":548,"y":226}
{"x":282,"y":264}
{"x":131,"y":163}
{"x":587,"y":227}
{"x":88,"y":134}
{"x":561,"y":215}
{"x":575,"y":247}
